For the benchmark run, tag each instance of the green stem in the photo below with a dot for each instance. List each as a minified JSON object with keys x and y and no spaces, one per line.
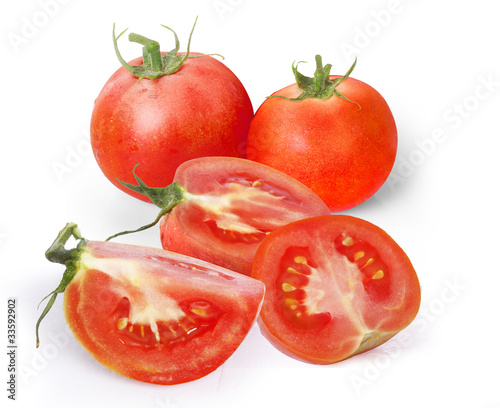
{"x":320,"y":86}
{"x":154,"y":65}
{"x":166,"y":198}
{"x":69,"y":257}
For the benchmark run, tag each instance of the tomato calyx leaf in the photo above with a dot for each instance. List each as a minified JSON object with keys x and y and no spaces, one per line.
{"x":320,"y":86}
{"x":154,"y":64}
{"x":166,"y":198}
{"x":69,"y":257}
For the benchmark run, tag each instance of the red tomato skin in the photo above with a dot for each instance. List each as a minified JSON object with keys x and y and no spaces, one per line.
{"x":341,"y":150}
{"x":183,"y":230}
{"x":89,"y":300}
{"x":201,"y":110}
{"x":340,"y":339}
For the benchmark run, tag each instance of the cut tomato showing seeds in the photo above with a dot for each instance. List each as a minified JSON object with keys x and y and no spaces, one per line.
{"x":336,"y":286}
{"x":219,"y":209}
{"x":150,"y":314}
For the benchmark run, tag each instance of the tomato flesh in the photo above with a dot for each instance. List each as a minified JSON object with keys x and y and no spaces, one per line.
{"x":231,"y":205}
{"x":200,"y":317}
{"x":336,"y":286}
{"x":157,"y":316}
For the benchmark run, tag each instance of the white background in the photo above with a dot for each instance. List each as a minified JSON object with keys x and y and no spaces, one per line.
{"x":437,"y":64}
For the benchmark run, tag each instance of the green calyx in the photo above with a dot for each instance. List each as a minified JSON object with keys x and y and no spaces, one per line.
{"x":68,"y":257}
{"x":166,"y":198}
{"x":320,"y":86}
{"x":155,"y":65}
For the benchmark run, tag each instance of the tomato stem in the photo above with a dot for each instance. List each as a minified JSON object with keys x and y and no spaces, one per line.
{"x":69,"y":257}
{"x":154,"y":64}
{"x":320,"y":86}
{"x":166,"y":198}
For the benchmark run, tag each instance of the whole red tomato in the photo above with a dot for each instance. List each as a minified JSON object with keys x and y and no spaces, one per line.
{"x":182,"y":107}
{"x":335,"y":134}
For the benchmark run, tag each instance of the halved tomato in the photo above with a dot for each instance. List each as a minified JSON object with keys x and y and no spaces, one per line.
{"x":336,"y":286}
{"x":150,"y":314}
{"x":219,"y":209}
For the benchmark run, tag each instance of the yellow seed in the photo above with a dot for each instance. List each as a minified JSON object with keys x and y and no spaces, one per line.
{"x":287,"y":287}
{"x":122,"y":323}
{"x":257,"y":183}
{"x":292,"y":303}
{"x":291,"y":270}
{"x":369,"y":262}
{"x":358,"y":255}
{"x":142,"y":330}
{"x":293,"y":307}
{"x":300,"y":260}
{"x":131,"y":328}
{"x":378,"y":275}
{"x":199,"y":312}
{"x":347,"y":241}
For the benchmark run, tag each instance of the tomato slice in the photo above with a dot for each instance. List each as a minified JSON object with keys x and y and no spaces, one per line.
{"x":157,"y":316}
{"x":336,"y":286}
{"x":230,"y":206}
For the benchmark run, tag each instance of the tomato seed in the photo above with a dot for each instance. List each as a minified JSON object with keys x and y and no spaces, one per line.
{"x":122,"y":323}
{"x":300,"y":260}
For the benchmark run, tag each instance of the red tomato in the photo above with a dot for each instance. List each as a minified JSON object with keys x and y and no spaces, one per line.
{"x":202,"y":109}
{"x":223,"y":207}
{"x":153,"y":315}
{"x":341,"y":149}
{"x":336,"y":286}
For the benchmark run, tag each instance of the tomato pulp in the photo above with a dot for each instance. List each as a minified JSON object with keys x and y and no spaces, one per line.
{"x":342,"y":146}
{"x":202,"y":109}
{"x":223,"y":208}
{"x":153,"y":315}
{"x":336,"y":286}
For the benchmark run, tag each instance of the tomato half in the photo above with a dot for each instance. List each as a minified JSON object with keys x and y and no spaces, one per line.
{"x":157,"y":316}
{"x":336,"y":286}
{"x":230,"y":206}
{"x":342,"y":149}
{"x":202,"y":109}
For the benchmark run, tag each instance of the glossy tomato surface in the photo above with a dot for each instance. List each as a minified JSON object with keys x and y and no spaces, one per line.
{"x":156,"y":316}
{"x":336,"y":286}
{"x":200,"y":110}
{"x":230,"y":206}
{"x":342,"y":150}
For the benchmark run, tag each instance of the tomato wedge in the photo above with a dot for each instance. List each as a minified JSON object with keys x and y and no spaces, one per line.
{"x":150,"y":314}
{"x":336,"y":286}
{"x":219,"y":209}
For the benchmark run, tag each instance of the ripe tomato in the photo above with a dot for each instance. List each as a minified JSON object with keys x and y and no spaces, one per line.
{"x":342,"y":149}
{"x":223,"y":207}
{"x":153,"y":315}
{"x":336,"y":286}
{"x":199,"y":108}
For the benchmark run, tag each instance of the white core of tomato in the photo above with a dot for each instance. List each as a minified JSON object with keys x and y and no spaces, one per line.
{"x":148,"y":304}
{"x":235,"y":195}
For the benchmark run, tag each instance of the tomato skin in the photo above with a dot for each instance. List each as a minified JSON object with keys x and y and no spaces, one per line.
{"x":186,"y":228}
{"x":342,"y":150}
{"x":201,"y":110}
{"x":357,"y":312}
{"x":108,"y":272}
